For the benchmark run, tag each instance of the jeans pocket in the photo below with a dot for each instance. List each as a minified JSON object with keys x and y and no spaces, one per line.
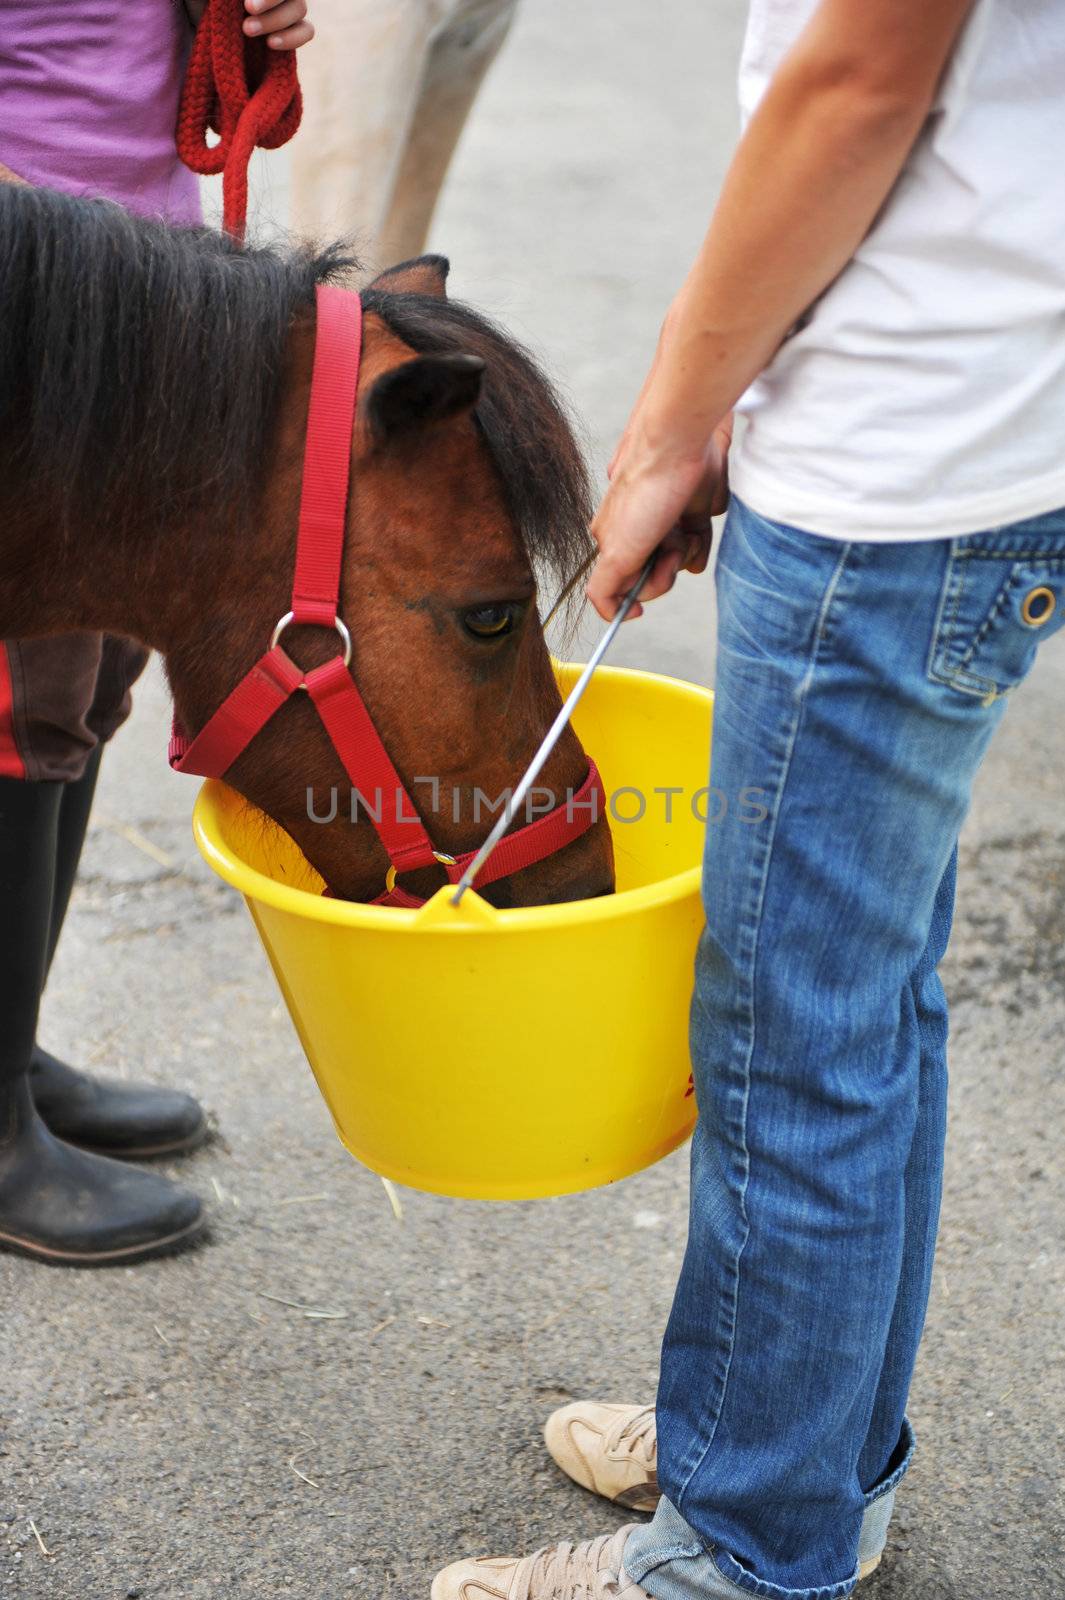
{"x":999,"y":602}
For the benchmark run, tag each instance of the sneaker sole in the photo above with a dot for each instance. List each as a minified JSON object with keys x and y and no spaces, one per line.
{"x":641,"y":1498}
{"x":169,"y":1244}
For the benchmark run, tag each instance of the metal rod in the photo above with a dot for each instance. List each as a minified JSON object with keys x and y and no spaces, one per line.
{"x":551,"y":738}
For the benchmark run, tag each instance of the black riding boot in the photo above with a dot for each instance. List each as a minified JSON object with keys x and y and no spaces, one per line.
{"x":133,"y":1120}
{"x":57,"y":1203}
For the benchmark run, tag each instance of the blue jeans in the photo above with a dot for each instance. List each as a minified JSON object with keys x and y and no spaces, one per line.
{"x":858,"y":687}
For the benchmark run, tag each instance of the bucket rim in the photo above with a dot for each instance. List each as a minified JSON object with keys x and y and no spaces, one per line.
{"x":216,"y":796}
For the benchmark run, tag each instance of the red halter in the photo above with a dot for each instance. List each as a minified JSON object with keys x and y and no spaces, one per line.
{"x":315,"y":596}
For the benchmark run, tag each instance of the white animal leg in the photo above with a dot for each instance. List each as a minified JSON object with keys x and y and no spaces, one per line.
{"x":460,"y":55}
{"x":361,"y":79}
{"x":388,"y":85}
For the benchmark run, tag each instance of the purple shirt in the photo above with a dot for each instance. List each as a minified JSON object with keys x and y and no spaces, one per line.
{"x":88,"y":100}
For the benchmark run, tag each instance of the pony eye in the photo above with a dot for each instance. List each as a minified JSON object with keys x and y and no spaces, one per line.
{"x":489,"y":622}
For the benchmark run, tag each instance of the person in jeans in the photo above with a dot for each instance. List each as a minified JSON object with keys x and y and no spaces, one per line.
{"x":881,"y":293}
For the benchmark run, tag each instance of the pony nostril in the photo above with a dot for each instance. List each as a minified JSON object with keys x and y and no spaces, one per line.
{"x":597,"y":890}
{"x":501,"y":894}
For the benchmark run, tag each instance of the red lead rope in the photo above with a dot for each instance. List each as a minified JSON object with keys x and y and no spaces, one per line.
{"x":246,"y":92}
{"x":275,"y":677}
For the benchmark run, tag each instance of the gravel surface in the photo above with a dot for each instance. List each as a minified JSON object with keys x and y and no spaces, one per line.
{"x":323,"y":1401}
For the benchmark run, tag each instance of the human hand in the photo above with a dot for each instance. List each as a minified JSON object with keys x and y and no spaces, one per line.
{"x":283,"y":23}
{"x":657,"y":501}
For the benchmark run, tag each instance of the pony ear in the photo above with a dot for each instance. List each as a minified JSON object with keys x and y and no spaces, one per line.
{"x":424,"y":275}
{"x":425,"y":390}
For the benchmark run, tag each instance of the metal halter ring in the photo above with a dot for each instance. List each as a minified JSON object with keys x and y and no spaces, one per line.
{"x":438,"y":855}
{"x":290,"y":617}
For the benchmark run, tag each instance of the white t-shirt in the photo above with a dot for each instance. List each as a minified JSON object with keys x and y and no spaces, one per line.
{"x":923,"y":396}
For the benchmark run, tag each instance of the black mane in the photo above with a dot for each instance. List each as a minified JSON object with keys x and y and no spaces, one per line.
{"x":140,"y":368}
{"x":139,"y":364}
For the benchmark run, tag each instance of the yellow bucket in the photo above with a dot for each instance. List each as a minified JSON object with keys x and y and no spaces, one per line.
{"x":504,"y":1055}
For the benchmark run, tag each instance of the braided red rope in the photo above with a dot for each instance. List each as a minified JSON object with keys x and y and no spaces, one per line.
{"x":246,"y":92}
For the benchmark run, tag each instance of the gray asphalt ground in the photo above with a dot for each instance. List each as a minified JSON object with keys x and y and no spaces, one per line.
{"x":187,"y":1430}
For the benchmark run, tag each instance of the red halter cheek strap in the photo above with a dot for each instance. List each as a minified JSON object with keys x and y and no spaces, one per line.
{"x":315,"y":597}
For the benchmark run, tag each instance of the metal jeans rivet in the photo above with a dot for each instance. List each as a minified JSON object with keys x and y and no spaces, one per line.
{"x":1039,"y":606}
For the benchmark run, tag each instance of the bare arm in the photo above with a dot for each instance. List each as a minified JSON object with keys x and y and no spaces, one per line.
{"x":817,"y":161}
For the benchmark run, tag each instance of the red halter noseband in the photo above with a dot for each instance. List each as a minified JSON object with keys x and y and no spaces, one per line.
{"x":315,"y":596}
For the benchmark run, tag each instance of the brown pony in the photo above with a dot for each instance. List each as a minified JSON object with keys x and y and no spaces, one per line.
{"x":153,"y":400}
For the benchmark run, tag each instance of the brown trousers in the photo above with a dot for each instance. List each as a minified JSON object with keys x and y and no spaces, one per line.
{"x":60,"y":697}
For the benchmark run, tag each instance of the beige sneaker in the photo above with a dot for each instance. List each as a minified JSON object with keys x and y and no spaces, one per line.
{"x":611,"y":1450}
{"x":588,"y":1571}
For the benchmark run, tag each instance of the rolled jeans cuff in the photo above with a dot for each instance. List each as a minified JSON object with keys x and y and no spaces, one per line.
{"x":668,"y":1559}
{"x":880,"y":1501}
